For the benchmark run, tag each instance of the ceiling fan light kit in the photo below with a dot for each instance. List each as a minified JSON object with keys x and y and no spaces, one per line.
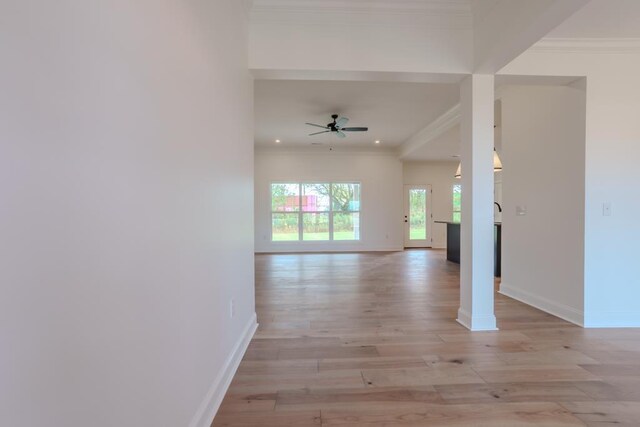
{"x":337,"y":127}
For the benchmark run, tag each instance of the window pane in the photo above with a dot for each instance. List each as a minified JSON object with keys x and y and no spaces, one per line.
{"x":457,"y":202}
{"x":284,"y":227}
{"x":346,"y":197}
{"x":346,"y":226}
{"x":417,"y":214}
{"x":285,"y":197}
{"x":315,"y":226}
{"x":315,"y":197}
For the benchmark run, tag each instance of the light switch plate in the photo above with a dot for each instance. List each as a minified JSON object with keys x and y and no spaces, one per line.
{"x":606,"y":209}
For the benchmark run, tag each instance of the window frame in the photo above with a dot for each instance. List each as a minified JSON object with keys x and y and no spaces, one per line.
{"x":300,"y":212}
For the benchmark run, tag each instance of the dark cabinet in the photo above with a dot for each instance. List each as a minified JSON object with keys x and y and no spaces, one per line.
{"x":453,"y":245}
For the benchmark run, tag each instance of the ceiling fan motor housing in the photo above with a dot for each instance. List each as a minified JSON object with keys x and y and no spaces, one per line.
{"x":333,"y":124}
{"x":336,"y":127}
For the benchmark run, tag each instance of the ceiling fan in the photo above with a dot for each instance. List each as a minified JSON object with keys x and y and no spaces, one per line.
{"x":337,"y":127}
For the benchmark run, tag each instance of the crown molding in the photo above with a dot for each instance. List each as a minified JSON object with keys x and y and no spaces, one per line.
{"x":430,"y":7}
{"x":587,"y":45}
{"x":325,"y":148}
{"x":359,"y":76}
{"x":434,"y":15}
{"x":432,"y":131}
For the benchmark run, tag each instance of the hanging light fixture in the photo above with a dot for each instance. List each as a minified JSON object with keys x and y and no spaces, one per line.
{"x":497,"y":165}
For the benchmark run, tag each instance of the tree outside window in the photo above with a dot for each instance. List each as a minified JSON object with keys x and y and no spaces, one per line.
{"x":457,"y":202}
{"x":315,"y":211}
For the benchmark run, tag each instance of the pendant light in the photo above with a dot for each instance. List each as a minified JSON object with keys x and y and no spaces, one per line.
{"x":497,"y":165}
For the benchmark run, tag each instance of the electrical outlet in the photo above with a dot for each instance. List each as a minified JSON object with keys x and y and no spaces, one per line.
{"x":232,"y":308}
{"x":521,"y":210}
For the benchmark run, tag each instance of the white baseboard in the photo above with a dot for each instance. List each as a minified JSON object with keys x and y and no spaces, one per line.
{"x":562,"y":311}
{"x":330,"y":250}
{"x":476,"y":323}
{"x":209,"y":406}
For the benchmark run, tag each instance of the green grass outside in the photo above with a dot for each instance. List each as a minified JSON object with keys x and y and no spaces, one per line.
{"x":337,"y":235}
{"x":417,"y":234}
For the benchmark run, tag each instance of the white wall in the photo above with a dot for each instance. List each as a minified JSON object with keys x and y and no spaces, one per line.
{"x":125,"y":144}
{"x":543,"y":130}
{"x":612,"y":156}
{"x":440,"y":175}
{"x":361,"y":36}
{"x":380,"y":175}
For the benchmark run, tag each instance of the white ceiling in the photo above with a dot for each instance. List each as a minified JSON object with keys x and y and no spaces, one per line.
{"x":602,"y":19}
{"x":393,"y":111}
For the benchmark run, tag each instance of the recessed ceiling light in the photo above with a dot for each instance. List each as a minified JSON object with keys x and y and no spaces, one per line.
{"x":377,"y":142}
{"x":277,"y":141}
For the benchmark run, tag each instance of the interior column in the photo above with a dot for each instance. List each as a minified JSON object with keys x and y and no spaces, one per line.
{"x":476,"y":310}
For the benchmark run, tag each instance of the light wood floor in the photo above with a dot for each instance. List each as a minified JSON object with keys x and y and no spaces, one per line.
{"x":371,"y":340}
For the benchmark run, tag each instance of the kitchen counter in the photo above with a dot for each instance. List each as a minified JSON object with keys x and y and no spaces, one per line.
{"x":453,"y":244}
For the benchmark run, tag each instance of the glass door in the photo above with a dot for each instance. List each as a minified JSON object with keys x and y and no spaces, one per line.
{"x":417,"y":216}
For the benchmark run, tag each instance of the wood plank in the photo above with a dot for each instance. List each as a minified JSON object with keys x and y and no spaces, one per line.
{"x":401,"y":339}
{"x":606,"y":413}
{"x":273,"y":367}
{"x":419,"y":376}
{"x":616,"y":391}
{"x":463,"y":359}
{"x":615,"y":370}
{"x":535,"y":373}
{"x":230,"y":405}
{"x":485,"y":337}
{"x":446,"y":348}
{"x":371,"y":363}
{"x":268,"y":419}
{"x":327,"y":352}
{"x":511,"y":392}
{"x":299,"y":342}
{"x":480,"y":415}
{"x":274,"y":383}
{"x":351,"y":398}
{"x":547,"y":357}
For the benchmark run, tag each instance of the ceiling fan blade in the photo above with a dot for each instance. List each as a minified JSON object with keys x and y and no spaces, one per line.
{"x":318,"y":126}
{"x":318,"y":133}
{"x":341,"y":121}
{"x":361,"y":129}
{"x":340,"y":134}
